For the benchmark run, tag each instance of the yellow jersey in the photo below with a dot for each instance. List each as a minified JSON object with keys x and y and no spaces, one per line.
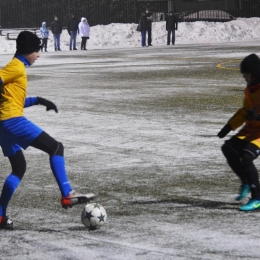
{"x":13,"y":89}
{"x":251,"y":129}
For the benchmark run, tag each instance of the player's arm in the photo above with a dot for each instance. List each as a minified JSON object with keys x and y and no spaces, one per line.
{"x":234,"y":122}
{"x":238,"y":118}
{"x":31,"y":101}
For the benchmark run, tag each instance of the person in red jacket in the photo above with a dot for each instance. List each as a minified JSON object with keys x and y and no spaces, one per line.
{"x":244,"y":147}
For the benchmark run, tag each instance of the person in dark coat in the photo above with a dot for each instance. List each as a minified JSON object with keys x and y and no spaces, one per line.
{"x":171,"y":27}
{"x":144,"y":26}
{"x":56,"y":29}
{"x":73,"y":29}
{"x":149,"y":17}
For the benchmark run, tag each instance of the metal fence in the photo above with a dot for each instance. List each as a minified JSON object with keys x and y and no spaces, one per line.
{"x":31,"y":13}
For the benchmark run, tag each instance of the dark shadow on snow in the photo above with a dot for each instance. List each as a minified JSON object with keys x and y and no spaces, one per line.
{"x":190,"y":202}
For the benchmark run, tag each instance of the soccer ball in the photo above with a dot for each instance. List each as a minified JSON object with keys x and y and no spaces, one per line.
{"x":93,"y":216}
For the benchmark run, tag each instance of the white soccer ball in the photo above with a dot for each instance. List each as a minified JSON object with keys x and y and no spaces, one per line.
{"x":93,"y":216}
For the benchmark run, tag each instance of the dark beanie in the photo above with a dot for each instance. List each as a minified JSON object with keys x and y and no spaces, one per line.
{"x":27,"y":43}
{"x":249,"y":64}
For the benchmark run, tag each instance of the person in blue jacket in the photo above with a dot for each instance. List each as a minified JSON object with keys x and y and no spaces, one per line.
{"x":45,"y":35}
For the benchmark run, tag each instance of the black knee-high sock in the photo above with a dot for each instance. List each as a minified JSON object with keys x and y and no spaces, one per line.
{"x":235,"y":163}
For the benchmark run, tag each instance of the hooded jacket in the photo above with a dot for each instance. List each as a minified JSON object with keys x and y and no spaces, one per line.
{"x":84,"y":28}
{"x":44,"y":31}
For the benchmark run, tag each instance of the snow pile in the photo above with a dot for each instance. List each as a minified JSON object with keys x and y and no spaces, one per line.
{"x":116,"y":35}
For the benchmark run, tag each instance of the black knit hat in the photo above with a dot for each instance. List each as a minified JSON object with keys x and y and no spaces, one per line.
{"x":27,"y":43}
{"x":249,"y":64}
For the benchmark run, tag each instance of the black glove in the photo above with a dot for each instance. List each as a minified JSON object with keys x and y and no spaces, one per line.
{"x":253,"y":115}
{"x":224,"y":131}
{"x":49,"y":105}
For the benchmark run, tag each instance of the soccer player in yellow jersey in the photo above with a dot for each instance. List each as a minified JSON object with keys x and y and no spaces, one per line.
{"x":244,"y":147}
{"x":17,"y":132}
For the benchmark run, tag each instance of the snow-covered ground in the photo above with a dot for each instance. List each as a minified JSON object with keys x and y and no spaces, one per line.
{"x":117,"y":35}
{"x":139,"y":129}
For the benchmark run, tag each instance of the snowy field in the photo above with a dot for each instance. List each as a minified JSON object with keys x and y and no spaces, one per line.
{"x":139,"y":128}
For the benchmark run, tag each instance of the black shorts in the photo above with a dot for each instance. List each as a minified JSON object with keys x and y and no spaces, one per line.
{"x":241,"y":146}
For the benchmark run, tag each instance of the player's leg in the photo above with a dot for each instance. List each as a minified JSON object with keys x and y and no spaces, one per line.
{"x":46,"y":143}
{"x":250,"y":153}
{"x":55,"y":149}
{"x":233,"y":150}
{"x":11,"y":183}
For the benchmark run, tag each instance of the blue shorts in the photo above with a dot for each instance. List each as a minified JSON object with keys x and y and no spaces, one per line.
{"x":17,"y":133}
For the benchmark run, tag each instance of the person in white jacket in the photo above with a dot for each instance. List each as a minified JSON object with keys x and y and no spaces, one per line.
{"x":84,"y":31}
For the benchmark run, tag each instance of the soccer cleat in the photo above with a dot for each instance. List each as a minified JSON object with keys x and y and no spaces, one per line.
{"x":75,"y":198}
{"x":6,"y":223}
{"x":252,"y":204}
{"x":244,"y":190}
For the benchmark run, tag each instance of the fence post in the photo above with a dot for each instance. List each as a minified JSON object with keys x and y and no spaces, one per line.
{"x":170,"y":5}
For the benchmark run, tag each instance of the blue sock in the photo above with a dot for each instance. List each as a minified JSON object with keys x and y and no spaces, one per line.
{"x":10,"y":185}
{"x":59,"y":171}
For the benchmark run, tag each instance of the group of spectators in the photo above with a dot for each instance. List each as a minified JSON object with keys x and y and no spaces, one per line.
{"x":74,"y":27}
{"x":82,"y":28}
{"x":145,"y":26}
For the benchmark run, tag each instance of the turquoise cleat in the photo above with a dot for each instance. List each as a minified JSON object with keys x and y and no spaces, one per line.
{"x":252,"y":204}
{"x":244,"y":190}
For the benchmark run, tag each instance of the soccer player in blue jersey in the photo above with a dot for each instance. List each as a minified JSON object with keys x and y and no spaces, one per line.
{"x":17,"y":132}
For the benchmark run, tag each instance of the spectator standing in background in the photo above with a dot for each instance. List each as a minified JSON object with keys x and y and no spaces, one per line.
{"x":44,"y":34}
{"x":56,"y":29}
{"x":84,"y":31}
{"x":143,"y":26}
{"x":73,"y":29}
{"x":149,"y":17}
{"x":171,"y":27}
